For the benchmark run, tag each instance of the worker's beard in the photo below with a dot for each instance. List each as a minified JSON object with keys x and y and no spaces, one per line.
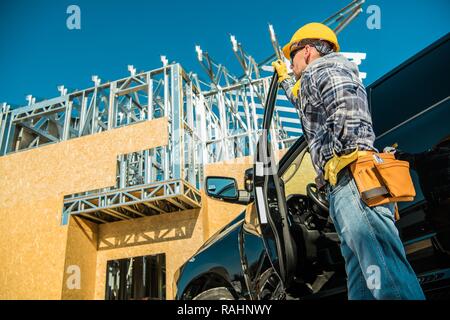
{"x":300,"y":73}
{"x":299,"y":76}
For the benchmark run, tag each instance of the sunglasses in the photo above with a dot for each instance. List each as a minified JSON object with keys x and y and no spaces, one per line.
{"x":294,"y":52}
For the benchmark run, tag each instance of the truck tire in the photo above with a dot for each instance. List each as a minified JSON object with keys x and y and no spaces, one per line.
{"x":220,"y":293}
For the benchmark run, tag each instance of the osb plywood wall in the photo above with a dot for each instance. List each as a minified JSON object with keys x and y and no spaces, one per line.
{"x":81,"y":260}
{"x":178,"y":235}
{"x":36,"y":250}
{"x":33,"y":182}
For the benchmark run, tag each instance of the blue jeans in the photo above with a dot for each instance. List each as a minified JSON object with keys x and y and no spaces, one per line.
{"x":375,"y":259}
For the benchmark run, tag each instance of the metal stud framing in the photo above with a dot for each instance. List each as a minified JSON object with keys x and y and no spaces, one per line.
{"x":208,"y":122}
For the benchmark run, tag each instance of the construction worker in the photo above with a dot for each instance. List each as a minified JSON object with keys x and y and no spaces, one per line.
{"x":338,"y":128}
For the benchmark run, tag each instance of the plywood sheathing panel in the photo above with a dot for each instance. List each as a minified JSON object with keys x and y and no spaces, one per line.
{"x":177,"y":234}
{"x":32,"y":185}
{"x":81,"y":255}
{"x":32,"y":250}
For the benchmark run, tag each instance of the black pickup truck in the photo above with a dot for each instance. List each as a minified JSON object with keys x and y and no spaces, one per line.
{"x":284,"y":245}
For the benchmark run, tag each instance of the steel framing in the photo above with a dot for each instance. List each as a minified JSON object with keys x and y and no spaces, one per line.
{"x":208,"y":122}
{"x":133,"y":202}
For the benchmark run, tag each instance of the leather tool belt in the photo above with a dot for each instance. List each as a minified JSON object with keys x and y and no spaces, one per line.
{"x":382,"y":179}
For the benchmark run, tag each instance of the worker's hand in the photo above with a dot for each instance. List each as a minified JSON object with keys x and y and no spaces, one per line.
{"x":296,"y":89}
{"x":281,"y":69}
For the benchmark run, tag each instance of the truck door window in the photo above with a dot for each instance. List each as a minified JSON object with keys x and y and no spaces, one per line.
{"x":299,"y":175}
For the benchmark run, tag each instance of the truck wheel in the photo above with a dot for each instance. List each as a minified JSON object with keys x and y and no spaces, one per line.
{"x":220,"y":293}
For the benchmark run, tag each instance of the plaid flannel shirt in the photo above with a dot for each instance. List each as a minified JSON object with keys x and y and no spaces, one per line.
{"x":333,"y":106}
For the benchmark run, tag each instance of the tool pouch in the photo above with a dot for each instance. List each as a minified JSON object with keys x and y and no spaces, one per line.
{"x":382,"y":179}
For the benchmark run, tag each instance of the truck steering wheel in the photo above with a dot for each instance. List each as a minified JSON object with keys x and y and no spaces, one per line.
{"x":318,"y":197}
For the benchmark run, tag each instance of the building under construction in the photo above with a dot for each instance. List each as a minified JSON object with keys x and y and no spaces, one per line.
{"x":102,"y":189}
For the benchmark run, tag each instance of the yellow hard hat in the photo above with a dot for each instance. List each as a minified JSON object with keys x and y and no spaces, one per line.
{"x":313,"y":30}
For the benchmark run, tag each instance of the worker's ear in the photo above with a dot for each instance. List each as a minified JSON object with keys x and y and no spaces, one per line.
{"x":308,"y":52}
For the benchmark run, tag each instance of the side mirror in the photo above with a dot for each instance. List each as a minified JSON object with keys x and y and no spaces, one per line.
{"x":222,"y":188}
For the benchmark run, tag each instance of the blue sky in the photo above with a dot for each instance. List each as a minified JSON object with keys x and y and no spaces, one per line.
{"x":38,"y":52}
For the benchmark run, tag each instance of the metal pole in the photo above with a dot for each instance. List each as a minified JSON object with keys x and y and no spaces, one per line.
{"x":347,"y":20}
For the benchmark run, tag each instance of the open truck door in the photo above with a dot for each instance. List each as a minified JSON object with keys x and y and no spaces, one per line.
{"x":270,"y":199}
